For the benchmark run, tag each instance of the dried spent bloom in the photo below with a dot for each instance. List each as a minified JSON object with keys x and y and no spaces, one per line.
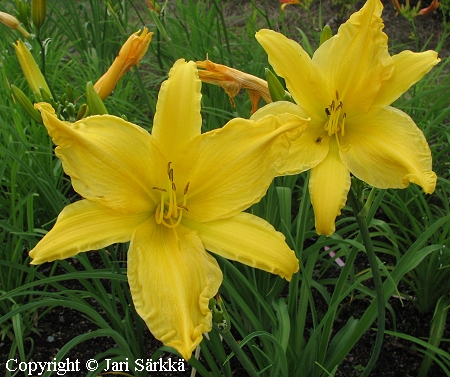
{"x":233,"y":80}
{"x":173,"y":194}
{"x":130,"y":54}
{"x":346,"y":88}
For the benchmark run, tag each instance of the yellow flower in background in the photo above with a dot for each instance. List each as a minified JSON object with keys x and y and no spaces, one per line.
{"x":233,"y":80}
{"x":30,"y":69}
{"x":13,"y":23}
{"x":346,"y":89}
{"x":173,"y":193}
{"x":130,"y":54}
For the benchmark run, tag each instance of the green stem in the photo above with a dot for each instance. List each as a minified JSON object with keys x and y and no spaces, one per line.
{"x":371,"y":256}
{"x":241,"y":355}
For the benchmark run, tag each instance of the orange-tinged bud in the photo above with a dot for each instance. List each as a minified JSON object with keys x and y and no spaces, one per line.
{"x":129,"y":55}
{"x":287,"y":2}
{"x":432,"y":7}
{"x":30,"y":69}
{"x":13,"y":23}
{"x":233,"y":80}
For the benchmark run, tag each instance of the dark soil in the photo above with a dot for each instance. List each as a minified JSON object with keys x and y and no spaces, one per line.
{"x":398,"y":358}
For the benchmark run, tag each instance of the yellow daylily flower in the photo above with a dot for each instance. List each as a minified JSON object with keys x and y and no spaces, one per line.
{"x":30,"y":69}
{"x":346,"y":88}
{"x":233,"y":80}
{"x":173,"y":193}
{"x":130,"y":54}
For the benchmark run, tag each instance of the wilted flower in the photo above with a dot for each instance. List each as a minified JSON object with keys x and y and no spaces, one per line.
{"x":233,"y":80}
{"x":129,"y":55}
{"x":173,"y":194}
{"x":346,"y":89}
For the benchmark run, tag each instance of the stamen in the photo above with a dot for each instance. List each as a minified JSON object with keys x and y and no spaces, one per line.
{"x":168,"y":212}
{"x":336,"y":120}
{"x":342,"y":124}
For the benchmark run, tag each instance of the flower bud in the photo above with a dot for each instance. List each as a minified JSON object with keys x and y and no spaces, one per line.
{"x":130,"y":54}
{"x":30,"y":69}
{"x":13,"y":23}
{"x":326,"y":34}
{"x":276,"y":90}
{"x":94,"y":102}
{"x":26,"y":104}
{"x":38,"y":12}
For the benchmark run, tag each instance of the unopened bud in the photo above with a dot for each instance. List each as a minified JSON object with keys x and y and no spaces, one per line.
{"x":38,"y":12}
{"x":13,"y":23}
{"x":30,"y":69}
{"x":26,"y":104}
{"x":94,"y":102}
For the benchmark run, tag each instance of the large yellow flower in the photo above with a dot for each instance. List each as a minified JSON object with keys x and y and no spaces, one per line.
{"x":346,"y":89}
{"x":173,"y":193}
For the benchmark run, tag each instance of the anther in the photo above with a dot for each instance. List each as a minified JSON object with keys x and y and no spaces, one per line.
{"x":186,"y":188}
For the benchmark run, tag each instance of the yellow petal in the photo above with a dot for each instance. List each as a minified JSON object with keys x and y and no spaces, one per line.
{"x":291,"y":62}
{"x":328,"y":186}
{"x":177,"y":119}
{"x":306,"y":151}
{"x":84,"y":226}
{"x":250,"y":240}
{"x":410,"y":67}
{"x":231,"y":168}
{"x":108,"y":159}
{"x":387,"y":150}
{"x":171,"y":281}
{"x":356,"y":60}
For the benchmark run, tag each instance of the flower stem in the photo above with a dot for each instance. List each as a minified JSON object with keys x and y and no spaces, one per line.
{"x":243,"y":358}
{"x":370,"y":251}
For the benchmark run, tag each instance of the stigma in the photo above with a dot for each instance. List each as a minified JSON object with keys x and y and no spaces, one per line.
{"x":169,"y":212}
